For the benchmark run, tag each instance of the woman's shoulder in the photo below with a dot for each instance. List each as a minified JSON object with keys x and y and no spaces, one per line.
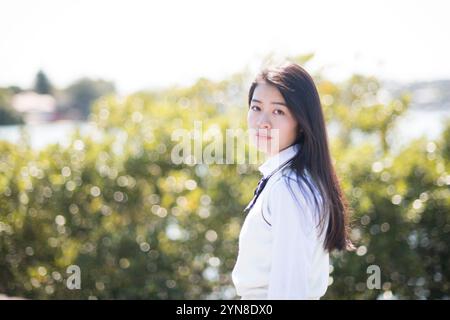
{"x":288,"y":202}
{"x":287,"y":187}
{"x":288,"y":178}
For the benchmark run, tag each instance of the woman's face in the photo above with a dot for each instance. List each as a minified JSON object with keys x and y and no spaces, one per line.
{"x":274,"y":126}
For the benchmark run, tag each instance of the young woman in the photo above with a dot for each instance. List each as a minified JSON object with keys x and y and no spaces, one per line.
{"x":298,"y":213}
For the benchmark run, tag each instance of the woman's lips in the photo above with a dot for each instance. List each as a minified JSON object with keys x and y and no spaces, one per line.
{"x":263,"y":137}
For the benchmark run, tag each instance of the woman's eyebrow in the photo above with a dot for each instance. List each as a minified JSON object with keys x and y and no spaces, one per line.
{"x":273,"y":102}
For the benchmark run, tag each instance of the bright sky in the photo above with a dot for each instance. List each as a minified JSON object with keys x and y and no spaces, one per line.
{"x":141,"y":44}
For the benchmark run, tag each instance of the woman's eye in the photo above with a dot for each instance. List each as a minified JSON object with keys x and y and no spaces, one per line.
{"x":278,"y":111}
{"x":254,"y":108}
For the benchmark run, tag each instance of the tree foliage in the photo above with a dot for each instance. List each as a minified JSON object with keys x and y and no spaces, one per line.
{"x":140,"y":226}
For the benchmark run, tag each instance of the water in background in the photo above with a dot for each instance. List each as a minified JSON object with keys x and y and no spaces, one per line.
{"x":414,"y":124}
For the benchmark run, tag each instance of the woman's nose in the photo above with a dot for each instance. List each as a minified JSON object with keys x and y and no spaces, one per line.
{"x":263,"y":122}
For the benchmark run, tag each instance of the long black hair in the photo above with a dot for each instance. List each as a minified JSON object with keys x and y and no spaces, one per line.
{"x":302,"y":98}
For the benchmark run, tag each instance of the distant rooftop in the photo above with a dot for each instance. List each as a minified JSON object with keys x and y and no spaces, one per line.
{"x":32,"y":102}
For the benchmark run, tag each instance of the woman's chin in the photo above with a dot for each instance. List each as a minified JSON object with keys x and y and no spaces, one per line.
{"x":266,"y":146}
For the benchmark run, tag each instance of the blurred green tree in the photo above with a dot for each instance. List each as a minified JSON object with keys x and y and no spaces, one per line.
{"x":8,"y":115}
{"x":85,"y":91}
{"x":139,"y":226}
{"x":42,"y":84}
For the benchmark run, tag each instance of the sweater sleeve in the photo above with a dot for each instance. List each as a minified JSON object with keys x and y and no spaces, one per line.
{"x":292,"y":220}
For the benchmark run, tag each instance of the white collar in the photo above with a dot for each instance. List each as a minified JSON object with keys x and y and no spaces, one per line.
{"x":273,"y":162}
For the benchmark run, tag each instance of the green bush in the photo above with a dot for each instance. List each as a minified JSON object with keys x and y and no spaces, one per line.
{"x":138,"y":226}
{"x":7,"y":114}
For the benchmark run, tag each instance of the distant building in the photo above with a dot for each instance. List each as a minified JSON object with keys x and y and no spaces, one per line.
{"x":34,"y":107}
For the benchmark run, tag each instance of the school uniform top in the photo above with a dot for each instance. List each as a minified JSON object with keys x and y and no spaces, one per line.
{"x":281,"y":254}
